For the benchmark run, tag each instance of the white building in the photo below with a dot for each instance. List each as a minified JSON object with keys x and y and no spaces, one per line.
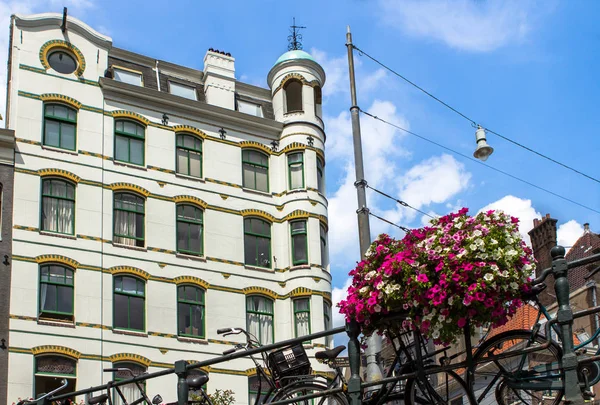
{"x":154,"y":204}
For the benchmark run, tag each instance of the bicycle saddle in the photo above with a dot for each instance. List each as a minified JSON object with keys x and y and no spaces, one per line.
{"x":534,"y":292}
{"x":97,"y":400}
{"x":329,"y":354}
{"x":198,"y":381}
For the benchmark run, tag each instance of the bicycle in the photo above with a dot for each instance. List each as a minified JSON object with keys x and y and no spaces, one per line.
{"x":103,"y":398}
{"x":535,"y":377}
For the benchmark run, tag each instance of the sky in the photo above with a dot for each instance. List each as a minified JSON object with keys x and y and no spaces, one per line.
{"x":525,"y":69}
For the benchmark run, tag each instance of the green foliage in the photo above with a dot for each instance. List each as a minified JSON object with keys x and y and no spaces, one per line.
{"x":219,"y":397}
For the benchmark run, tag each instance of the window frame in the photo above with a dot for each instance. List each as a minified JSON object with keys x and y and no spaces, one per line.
{"x":48,"y":313}
{"x":287,"y":102}
{"x":327,"y":315}
{"x":130,"y":71}
{"x":71,"y":378}
{"x":129,"y":136}
{"x":254,"y":165}
{"x":199,"y":151}
{"x":320,"y":176}
{"x":195,"y":221}
{"x":290,"y":164}
{"x":258,"y":235}
{"x":57,"y":50}
{"x":200,"y":303}
{"x":127,"y":294}
{"x":323,"y":245}
{"x":127,"y":364}
{"x":68,"y":183}
{"x":243,"y":103}
{"x":304,"y":311}
{"x":295,"y":261}
{"x":60,"y":121}
{"x":143,"y":213}
{"x":193,"y":88}
{"x":259,"y":313}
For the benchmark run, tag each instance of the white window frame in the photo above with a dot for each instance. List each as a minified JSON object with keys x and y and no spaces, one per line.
{"x":128,"y":73}
{"x":192,"y":95}
{"x":250,"y":108}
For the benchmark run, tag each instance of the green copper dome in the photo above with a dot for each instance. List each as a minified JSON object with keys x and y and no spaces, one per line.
{"x":295,"y":54}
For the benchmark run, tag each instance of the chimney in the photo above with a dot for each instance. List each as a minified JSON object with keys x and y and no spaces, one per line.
{"x":586,"y":228}
{"x":219,"y":79}
{"x":543,"y":238}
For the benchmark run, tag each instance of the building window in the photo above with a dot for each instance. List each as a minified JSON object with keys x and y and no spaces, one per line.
{"x":130,"y":391}
{"x":258,"y":384}
{"x":60,"y":126}
{"x":320,"y":176}
{"x":129,"y":303}
{"x":296,"y":170}
{"x":56,"y":292}
{"x":189,"y":229}
{"x":249,"y":108}
{"x":257,"y":242}
{"x":327,"y":322}
{"x":318,"y":102}
{"x":299,"y":243}
{"x":302,"y":316}
{"x":323,"y":237}
{"x":255,"y":167}
{"x":293,"y":96}
{"x":62,"y":62}
{"x":129,"y":220}
{"x":127,"y":76}
{"x":50,"y":369}
{"x":259,"y":318}
{"x":189,"y":155}
{"x":58,"y":206}
{"x":190,"y":311}
{"x":182,"y":90}
{"x":129,"y":142}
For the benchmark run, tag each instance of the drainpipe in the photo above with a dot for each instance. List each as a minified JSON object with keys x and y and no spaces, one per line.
{"x":157,"y":77}
{"x":592,"y":287}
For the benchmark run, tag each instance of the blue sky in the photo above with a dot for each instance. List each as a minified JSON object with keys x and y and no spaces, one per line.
{"x":526,"y":69}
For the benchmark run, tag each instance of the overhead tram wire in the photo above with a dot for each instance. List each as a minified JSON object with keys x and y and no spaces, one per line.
{"x":472,"y":121}
{"x":402,"y":203}
{"x":478,"y":161}
{"x":405,"y":229}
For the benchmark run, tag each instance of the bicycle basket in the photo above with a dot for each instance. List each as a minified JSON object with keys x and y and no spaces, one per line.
{"x":289,"y":361}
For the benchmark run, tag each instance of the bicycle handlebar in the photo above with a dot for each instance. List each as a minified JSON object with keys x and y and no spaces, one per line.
{"x":224,"y":330}
{"x":64,"y":383}
{"x":229,"y":351}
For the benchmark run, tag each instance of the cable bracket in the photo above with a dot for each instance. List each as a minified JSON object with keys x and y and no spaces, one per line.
{"x":362,"y":183}
{"x":363,"y":210}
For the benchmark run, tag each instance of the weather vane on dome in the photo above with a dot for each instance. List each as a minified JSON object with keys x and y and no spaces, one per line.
{"x":295,"y":38}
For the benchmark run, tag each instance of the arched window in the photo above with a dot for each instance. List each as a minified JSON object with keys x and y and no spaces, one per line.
{"x":293,"y":96}
{"x":50,"y":369}
{"x":318,"y":102}
{"x":129,"y":142}
{"x":255,"y":170}
{"x":130,"y":391}
{"x":190,"y":311}
{"x":189,"y":155}
{"x":129,"y":303}
{"x":259,"y":318}
{"x":190,"y":229}
{"x":56,"y":292}
{"x":257,"y":242}
{"x":60,"y":126}
{"x":128,"y":219}
{"x":58,"y":206}
{"x":302,"y":316}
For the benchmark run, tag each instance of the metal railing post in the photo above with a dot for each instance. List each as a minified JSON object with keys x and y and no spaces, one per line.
{"x":564,"y":318}
{"x":183,"y":390}
{"x":354,"y":387}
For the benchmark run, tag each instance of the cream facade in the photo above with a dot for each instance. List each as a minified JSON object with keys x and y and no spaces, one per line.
{"x":154,"y":204}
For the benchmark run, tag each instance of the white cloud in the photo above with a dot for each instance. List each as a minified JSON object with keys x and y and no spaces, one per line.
{"x":477,"y":26}
{"x":517,"y":207}
{"x":336,"y":69}
{"x":8,"y":8}
{"x":434,"y":180}
{"x":569,"y":232}
{"x":338,"y":294}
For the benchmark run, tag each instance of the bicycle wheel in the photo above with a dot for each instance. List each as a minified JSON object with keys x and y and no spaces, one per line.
{"x":444,"y":387}
{"x":295,"y":391}
{"x":506,"y":379}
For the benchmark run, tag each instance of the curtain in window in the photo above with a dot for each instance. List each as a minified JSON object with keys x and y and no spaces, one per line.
{"x":302,"y":317}
{"x":57,"y":214}
{"x":125,"y":224}
{"x":260,"y":319}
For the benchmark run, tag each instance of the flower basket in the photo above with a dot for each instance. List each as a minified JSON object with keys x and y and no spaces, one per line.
{"x":457,"y":269}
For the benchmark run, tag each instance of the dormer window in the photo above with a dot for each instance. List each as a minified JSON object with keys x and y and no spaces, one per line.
{"x":249,"y":108}
{"x":182,"y":90}
{"x":293,"y":96}
{"x":127,"y":76}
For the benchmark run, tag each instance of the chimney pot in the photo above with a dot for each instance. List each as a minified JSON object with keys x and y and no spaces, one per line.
{"x":586,"y":227}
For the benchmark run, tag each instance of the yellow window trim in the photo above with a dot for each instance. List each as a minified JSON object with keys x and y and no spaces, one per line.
{"x":129,"y":357}
{"x":129,"y":187}
{"x":59,"y":44}
{"x":60,"y":98}
{"x":134,"y":271}
{"x":43,"y":259}
{"x":181,"y":280}
{"x":181,"y":199}
{"x":59,"y":173}
{"x":57,"y":350}
{"x":130,"y":115}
